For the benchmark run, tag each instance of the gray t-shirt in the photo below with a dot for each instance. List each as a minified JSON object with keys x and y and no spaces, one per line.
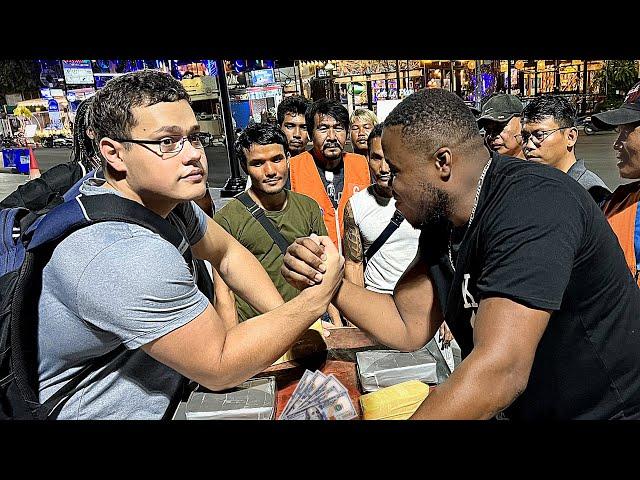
{"x":108,"y":284}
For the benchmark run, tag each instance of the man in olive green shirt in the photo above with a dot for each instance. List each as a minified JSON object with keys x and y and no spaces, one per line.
{"x":262,"y":151}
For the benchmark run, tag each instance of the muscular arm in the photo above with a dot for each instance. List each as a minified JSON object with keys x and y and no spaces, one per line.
{"x":506,"y":335}
{"x":225,"y":302}
{"x":239,"y":269}
{"x":404,"y":321}
{"x":204,"y":351}
{"x":352,"y":248}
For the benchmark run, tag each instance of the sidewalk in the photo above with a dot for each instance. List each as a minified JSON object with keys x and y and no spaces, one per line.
{"x":10,"y":181}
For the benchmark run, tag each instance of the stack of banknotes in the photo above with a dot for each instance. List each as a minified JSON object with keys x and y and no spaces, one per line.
{"x":319,"y":397}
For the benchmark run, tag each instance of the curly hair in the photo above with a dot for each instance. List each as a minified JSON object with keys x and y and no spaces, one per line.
{"x":84,"y":150}
{"x":432,"y":118}
{"x":110,"y":114}
{"x":258,"y":134}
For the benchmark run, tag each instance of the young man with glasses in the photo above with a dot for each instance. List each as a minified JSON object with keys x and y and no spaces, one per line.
{"x":622,"y":208}
{"x":119,"y":287}
{"x":549,"y":136}
{"x":500,"y":118}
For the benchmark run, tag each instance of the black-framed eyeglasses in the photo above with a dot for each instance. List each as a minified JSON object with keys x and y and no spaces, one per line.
{"x":539,"y":136}
{"x":170,"y":146}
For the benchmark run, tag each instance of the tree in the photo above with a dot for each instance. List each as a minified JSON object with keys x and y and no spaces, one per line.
{"x":615,"y":79}
{"x":18,"y":76}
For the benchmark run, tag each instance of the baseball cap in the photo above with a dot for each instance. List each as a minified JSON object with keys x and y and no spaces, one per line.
{"x":500,"y":108}
{"x":628,"y":112}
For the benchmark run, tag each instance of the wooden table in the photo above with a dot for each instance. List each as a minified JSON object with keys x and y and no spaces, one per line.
{"x":333,"y":354}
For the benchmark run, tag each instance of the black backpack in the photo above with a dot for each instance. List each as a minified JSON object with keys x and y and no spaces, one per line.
{"x":25,"y":250}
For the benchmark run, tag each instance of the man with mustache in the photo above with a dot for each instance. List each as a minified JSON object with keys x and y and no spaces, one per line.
{"x":549,"y":136}
{"x":537,"y":294}
{"x":262,"y":152}
{"x":621,"y":209}
{"x":327,"y":173}
{"x":362,"y":122}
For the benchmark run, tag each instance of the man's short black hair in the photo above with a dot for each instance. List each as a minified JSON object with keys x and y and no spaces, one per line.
{"x":258,"y":134}
{"x":326,"y":107}
{"x":432,"y":118}
{"x":375,"y":133}
{"x":295,"y":104}
{"x":555,"y":106}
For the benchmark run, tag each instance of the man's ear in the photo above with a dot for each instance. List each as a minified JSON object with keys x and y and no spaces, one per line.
{"x":442,"y":161}
{"x":111,"y":150}
{"x":572,"y":137}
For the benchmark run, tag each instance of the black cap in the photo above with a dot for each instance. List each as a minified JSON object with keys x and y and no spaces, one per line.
{"x":500,"y":108}
{"x":629,"y":111}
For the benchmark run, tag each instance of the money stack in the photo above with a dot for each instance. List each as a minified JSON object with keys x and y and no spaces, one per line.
{"x":319,"y":397}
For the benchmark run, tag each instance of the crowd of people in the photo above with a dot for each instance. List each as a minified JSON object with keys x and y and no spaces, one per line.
{"x":503,"y":245}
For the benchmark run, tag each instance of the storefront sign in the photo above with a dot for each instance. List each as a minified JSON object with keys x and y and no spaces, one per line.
{"x":53,"y":106}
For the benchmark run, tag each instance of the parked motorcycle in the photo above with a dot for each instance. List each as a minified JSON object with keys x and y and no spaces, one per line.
{"x":590,"y":128}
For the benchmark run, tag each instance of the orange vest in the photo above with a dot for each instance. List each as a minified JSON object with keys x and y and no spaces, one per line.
{"x":305,"y":179}
{"x":621,"y":209}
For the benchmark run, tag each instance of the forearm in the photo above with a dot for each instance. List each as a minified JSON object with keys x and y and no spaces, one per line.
{"x":477,"y":390}
{"x":225,"y":302}
{"x":255,"y":344}
{"x":378,"y":316}
{"x":354,"y":272}
{"x":245,"y":276}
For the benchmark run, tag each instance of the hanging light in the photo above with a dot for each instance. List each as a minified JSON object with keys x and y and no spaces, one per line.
{"x":471,"y":64}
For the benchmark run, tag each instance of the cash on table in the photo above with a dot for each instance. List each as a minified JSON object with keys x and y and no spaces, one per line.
{"x":319,"y":397}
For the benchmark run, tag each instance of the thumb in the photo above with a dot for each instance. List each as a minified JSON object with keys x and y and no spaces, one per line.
{"x":327,"y":243}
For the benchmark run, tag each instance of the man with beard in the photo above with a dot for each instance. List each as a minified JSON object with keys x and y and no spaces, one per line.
{"x":262,"y":152}
{"x":621,"y":209}
{"x":327,"y":173}
{"x":373,"y":265}
{"x":500,"y":118}
{"x":549,"y":136}
{"x":362,"y":122}
{"x":523,"y":294}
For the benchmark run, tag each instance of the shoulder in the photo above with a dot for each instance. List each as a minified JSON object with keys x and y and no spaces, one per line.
{"x":301,"y":157}
{"x":356,"y":158}
{"x":302,"y":199}
{"x":232,"y":212}
{"x":622,"y":197}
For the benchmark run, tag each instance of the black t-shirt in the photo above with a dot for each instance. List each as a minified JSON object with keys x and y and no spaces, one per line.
{"x":539,"y":239}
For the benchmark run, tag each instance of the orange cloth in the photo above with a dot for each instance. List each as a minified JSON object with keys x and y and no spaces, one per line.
{"x":306,"y":180}
{"x":621,"y":210}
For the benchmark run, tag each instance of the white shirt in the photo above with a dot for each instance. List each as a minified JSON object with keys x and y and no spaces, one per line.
{"x":389,"y":263}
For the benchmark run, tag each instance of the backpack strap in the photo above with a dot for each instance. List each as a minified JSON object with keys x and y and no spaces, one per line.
{"x":46,"y":233}
{"x":260,"y":216}
{"x":89,"y":209}
{"x":393,"y":225}
{"x":53,"y":405}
